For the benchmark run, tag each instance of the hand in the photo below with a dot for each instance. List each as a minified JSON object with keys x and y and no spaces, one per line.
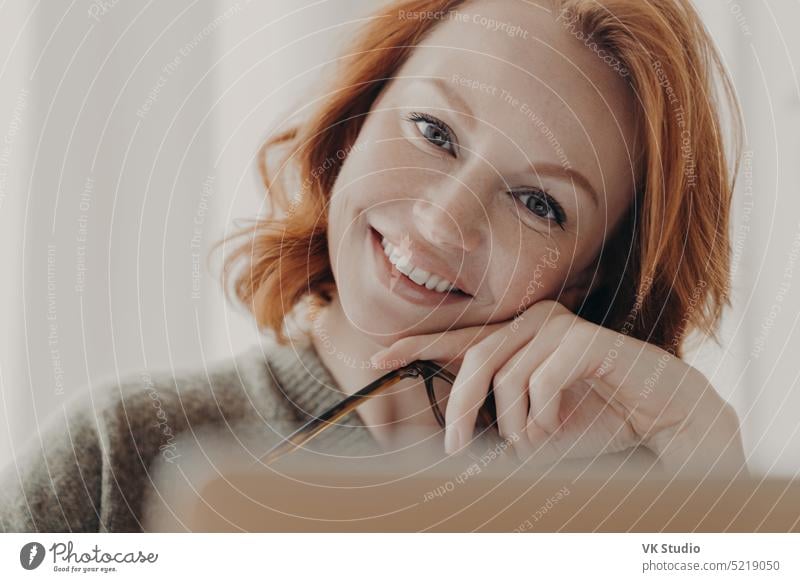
{"x":569,"y":388}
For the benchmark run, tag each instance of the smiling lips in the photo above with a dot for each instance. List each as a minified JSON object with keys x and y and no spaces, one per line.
{"x":420,"y":270}
{"x":400,"y":285}
{"x":401,"y":259}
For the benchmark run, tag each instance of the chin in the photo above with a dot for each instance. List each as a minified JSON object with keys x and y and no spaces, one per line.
{"x":371,"y":316}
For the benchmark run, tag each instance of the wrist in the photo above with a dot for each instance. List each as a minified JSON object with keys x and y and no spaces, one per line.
{"x":707,"y":442}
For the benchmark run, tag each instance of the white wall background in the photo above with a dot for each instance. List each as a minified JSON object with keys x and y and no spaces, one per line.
{"x":128,"y":135}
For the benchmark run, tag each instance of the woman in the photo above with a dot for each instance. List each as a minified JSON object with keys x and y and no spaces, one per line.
{"x":535,"y":196}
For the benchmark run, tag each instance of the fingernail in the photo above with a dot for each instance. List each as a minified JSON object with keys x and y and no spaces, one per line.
{"x":452,"y":440}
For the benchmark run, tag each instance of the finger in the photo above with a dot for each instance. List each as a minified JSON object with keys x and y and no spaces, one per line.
{"x":573,"y":359}
{"x":592,"y":428}
{"x":519,"y":369}
{"x":484,"y":350}
{"x":451,"y":345}
{"x":511,"y":401}
{"x":445,"y":346}
{"x":480,"y":364}
{"x":511,"y":383}
{"x":469,"y":392}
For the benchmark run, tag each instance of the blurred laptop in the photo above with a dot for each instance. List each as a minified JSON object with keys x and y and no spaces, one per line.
{"x":215,"y":490}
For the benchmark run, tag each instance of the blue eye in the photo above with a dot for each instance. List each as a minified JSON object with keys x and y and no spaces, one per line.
{"x":434,"y":130}
{"x":542,"y":205}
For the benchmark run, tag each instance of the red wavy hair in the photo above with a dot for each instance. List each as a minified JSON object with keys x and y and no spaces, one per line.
{"x":665,"y":269}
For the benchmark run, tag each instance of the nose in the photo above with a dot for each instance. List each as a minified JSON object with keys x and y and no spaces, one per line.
{"x":451,"y":218}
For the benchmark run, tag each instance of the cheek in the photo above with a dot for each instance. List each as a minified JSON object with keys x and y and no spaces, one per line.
{"x":373,"y":173}
{"x":537,"y":277}
{"x":349,"y":197}
{"x":365,"y":182}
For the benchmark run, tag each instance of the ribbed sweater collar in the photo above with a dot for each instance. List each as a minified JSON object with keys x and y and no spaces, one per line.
{"x":310,"y":389}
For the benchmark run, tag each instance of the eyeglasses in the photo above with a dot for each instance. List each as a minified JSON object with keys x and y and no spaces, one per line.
{"x":428,"y":370}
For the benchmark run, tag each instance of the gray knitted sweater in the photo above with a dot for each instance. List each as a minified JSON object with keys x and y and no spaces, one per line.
{"x":91,"y":468}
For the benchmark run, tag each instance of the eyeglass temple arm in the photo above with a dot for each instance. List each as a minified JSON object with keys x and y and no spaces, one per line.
{"x":318,"y":424}
{"x":428,"y":369}
{"x":432,"y":370}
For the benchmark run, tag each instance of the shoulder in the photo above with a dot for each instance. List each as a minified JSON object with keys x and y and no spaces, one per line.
{"x":151,"y":406}
{"x":155,"y":404}
{"x":87,"y":469}
{"x":54,"y":482}
{"x":147,"y":415}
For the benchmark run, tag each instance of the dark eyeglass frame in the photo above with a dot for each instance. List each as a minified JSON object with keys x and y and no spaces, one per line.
{"x":426,"y":369}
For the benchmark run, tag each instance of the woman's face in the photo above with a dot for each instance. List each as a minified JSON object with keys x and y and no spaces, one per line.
{"x":496,"y":160}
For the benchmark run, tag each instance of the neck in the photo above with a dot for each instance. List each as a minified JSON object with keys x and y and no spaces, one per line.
{"x":399,"y":414}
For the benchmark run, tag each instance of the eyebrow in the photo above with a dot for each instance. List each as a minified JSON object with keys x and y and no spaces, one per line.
{"x":446,"y":88}
{"x":540,"y":169}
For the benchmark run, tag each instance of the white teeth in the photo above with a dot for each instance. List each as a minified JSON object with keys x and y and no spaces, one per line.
{"x":404,"y":265}
{"x":418,"y":275}
{"x":433,"y":281}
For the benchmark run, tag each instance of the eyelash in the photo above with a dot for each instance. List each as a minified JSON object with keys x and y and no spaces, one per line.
{"x":415,"y":118}
{"x":559,"y":215}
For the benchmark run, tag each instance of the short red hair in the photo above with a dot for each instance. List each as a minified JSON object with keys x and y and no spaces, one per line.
{"x":665,"y":270}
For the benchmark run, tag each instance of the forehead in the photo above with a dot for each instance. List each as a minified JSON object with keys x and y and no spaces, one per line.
{"x":515,"y":41}
{"x":517,"y":67}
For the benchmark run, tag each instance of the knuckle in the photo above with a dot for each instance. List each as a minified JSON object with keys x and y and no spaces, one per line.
{"x":571,"y":334}
{"x":508,"y":377}
{"x":552,"y":307}
{"x":404,"y":344}
{"x":541,"y":377}
{"x":576,"y":340}
{"x":547,"y":304}
{"x":557,"y":321}
{"x":502,"y":377}
{"x":565,"y":319}
{"x":585,"y":329}
{"x":477,"y":353}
